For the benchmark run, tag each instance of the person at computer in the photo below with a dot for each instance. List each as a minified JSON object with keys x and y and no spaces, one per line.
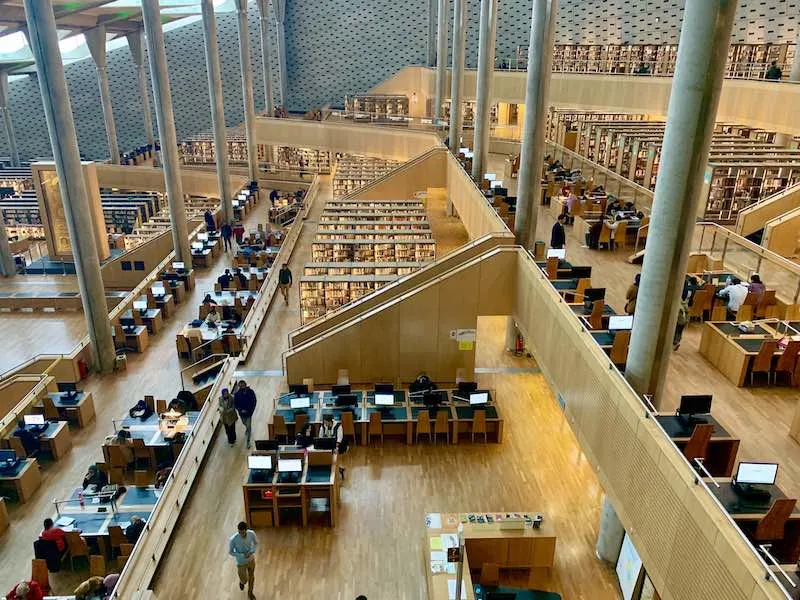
{"x":613,"y":207}
{"x":26,"y":590}
{"x":213,"y":318}
{"x":244,"y":401}
{"x":613,"y":226}
{"x":242,"y":278}
{"x":134,"y":530}
{"x":209,"y":300}
{"x":224,"y":280}
{"x":177,"y":406}
{"x":558,"y":236}
{"x":54,"y":534}
{"x":242,"y":546}
{"x":123,"y":440}
{"x":228,"y":415}
{"x":735,"y":292}
{"x":756,"y":286}
{"x":331,"y":429}
{"x":95,"y":478}
{"x":28,"y":435}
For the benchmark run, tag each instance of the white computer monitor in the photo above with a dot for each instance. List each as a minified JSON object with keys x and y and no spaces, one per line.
{"x":290,"y":465}
{"x":479,"y":397}
{"x":34,"y":419}
{"x":235,"y":204}
{"x":490,"y":176}
{"x":559,"y":253}
{"x":178,"y":265}
{"x":203,"y":237}
{"x":140,"y":305}
{"x":259,"y":463}
{"x":756,"y":473}
{"x":302,"y":402}
{"x":197,"y":245}
{"x":242,"y":195}
{"x":620,"y":322}
{"x":384,"y":399}
{"x":159,"y":290}
{"x":497,"y":184}
{"x":464,"y":150}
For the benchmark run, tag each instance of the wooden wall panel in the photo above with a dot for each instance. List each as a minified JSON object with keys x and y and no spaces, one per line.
{"x":418,"y":349}
{"x":428,"y":170}
{"x":475,"y":212}
{"x":782,"y":234}
{"x":458,"y":309}
{"x":195,"y":182}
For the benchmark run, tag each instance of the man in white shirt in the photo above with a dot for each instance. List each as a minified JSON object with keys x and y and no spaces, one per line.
{"x":213,"y":318}
{"x":242,"y":547}
{"x":735,"y":292}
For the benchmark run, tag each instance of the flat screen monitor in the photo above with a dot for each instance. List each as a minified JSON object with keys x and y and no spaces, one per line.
{"x":463,"y":150}
{"x":34,"y":419}
{"x":158,"y":290}
{"x":467,"y":387}
{"x":620,"y":322}
{"x":592,"y":294}
{"x":259,"y":463}
{"x":384,"y":399}
{"x":756,"y":473}
{"x":266,"y":445}
{"x":490,"y":176}
{"x":67,"y":387}
{"x":203,"y":237}
{"x":325,"y":443}
{"x":346,"y":400}
{"x":127,"y":322}
{"x":290,"y":465}
{"x":242,"y":195}
{"x":197,"y":245}
{"x":340,"y":389}
{"x":384,"y":388}
{"x":7,"y":456}
{"x":559,"y":253}
{"x":497,"y":184}
{"x":179,"y":266}
{"x":235,"y":204}
{"x":479,"y":397}
{"x":696,"y":404}
{"x":298,"y":389}
{"x":300,"y":402}
{"x":581,"y":272}
{"x":429,"y":399}
{"x":140,"y":305}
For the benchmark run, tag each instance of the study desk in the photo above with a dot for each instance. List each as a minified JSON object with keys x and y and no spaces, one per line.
{"x":463,"y":417}
{"x":228,"y":298}
{"x":187,"y":277}
{"x":24,"y":479}
{"x":151,"y":318}
{"x":208,"y":333}
{"x":81,"y":408}
{"x":56,"y":439}
{"x":747,"y":514}
{"x":528,"y":548}
{"x":136,"y":337}
{"x":201,"y":258}
{"x":165,"y":303}
{"x":722,"y":448}
{"x":159,"y":440}
{"x":176,"y":288}
{"x":580,"y":310}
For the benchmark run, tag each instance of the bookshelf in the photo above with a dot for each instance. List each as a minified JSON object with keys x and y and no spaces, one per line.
{"x":376,"y":107}
{"x":470,"y":107}
{"x":353,"y":172}
{"x":735,"y":186}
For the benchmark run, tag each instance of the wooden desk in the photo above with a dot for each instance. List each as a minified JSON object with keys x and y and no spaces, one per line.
{"x":138,"y":338}
{"x":166,"y":304}
{"x":160,"y":442}
{"x":201,"y":258}
{"x":3,"y":516}
{"x":56,"y":439}
{"x":81,"y":410}
{"x":527,"y":548}
{"x":730,"y":350}
{"x":722,"y":448}
{"x":177,"y":290}
{"x":151,"y":319}
{"x":25,"y":480}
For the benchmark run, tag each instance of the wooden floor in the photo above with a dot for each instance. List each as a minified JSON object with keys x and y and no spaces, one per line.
{"x":154,"y":372}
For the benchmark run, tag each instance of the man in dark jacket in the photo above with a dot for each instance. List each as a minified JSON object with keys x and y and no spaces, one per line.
{"x":244,"y":401}
{"x":211,"y":225}
{"x":285,"y":281}
{"x":134,"y":530}
{"x":558,"y":237}
{"x":227,"y":233}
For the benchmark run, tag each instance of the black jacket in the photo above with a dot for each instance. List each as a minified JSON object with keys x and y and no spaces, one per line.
{"x":557,"y":236}
{"x":244,"y":401}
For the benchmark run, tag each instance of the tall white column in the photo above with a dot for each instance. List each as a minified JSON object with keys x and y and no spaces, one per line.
{"x":266,"y":58}
{"x":217,"y":109}
{"x":96,"y":41}
{"x":483,"y":122}
{"x":8,"y":123}
{"x":457,"y":74}
{"x":441,"y":58}
{"x":246,"y":65}
{"x":279,"y":8}
{"x":431,"y":58}
{"x":611,"y":534}
{"x":159,"y":72}
{"x":705,"y":37}
{"x":137,"y":52}
{"x":43,"y":37}
{"x":540,"y":53}
{"x":783,"y":139}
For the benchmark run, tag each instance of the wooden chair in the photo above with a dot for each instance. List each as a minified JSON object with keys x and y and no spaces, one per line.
{"x":752,"y":299}
{"x":766,"y":305}
{"x":40,"y":575}
{"x":309,"y":383}
{"x":697,"y":446}
{"x":490,"y":575}
{"x":343,"y":377}
{"x":423,"y":425}
{"x":142,"y":478}
{"x":375,"y":426}
{"x":348,"y":426}
{"x":698,"y":308}
{"x":279,"y":428}
{"x":50,"y":410}
{"x":126,"y":549}
{"x":97,"y":565}
{"x":300,"y":421}
{"x":719,"y":312}
{"x":442,"y":425}
{"x":217,"y":287}
{"x":552,"y":268}
{"x":596,"y":316}
{"x":252,"y":284}
{"x":583,"y":284}
{"x":217,"y":347}
{"x":772,"y":525}
{"x":787,"y":362}
{"x":150,"y":401}
{"x":604,"y":237}
{"x":762,"y":363}
{"x":16,"y":445}
{"x":182,"y":344}
{"x":76,"y":546}
{"x":116,"y":458}
{"x":621,"y":235}
{"x":233,"y":345}
{"x":116,"y":537}
{"x":204,"y":310}
{"x":619,"y":349}
{"x":745,"y":313}
{"x":122,"y":560}
{"x":141,"y":453}
{"x":479,"y":424}
{"x":161,"y":406}
{"x":233,"y":286}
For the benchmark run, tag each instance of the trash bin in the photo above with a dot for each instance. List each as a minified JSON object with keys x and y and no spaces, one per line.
{"x":121,"y":364}
{"x":538,"y":249}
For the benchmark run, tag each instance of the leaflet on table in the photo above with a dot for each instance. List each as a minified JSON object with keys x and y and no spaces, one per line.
{"x":443,"y":567}
{"x":433,"y":521}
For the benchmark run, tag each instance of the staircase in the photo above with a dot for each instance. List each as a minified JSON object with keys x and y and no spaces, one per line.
{"x":751,"y":220}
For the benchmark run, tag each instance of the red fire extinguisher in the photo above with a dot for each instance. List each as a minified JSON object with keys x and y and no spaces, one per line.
{"x":519,"y":346}
{"x":83,"y":369}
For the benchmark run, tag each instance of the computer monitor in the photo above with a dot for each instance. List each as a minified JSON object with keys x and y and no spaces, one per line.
{"x":298,"y":389}
{"x":203,"y":237}
{"x":290,"y":465}
{"x":325,"y":443}
{"x":7,"y":456}
{"x":431,"y":400}
{"x":259,"y":463}
{"x":34,"y":419}
{"x":592,"y":294}
{"x":696,"y":404}
{"x":179,"y":266}
{"x":581,"y":272}
{"x":490,"y":176}
{"x":559,"y":253}
{"x":266,"y":445}
{"x":140,"y":305}
{"x":496,"y":184}
{"x":750,"y":473}
{"x":620,"y":322}
{"x":158,"y":290}
{"x":479,"y":398}
{"x":67,"y":387}
{"x":337,"y":390}
{"x":300,"y":402}
{"x":467,"y":387}
{"x":197,"y":245}
{"x":127,"y":322}
{"x":384,"y":399}
{"x":384,"y":388}
{"x":346,"y":400}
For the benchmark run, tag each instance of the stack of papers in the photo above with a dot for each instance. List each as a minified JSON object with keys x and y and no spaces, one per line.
{"x":64,"y":521}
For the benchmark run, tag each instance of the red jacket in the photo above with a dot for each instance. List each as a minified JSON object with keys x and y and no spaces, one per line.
{"x":35,"y":593}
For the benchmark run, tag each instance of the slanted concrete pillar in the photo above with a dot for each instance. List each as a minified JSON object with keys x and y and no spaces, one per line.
{"x":457,"y":74}
{"x":266,"y":55}
{"x":137,"y":52}
{"x":96,"y":41}
{"x":483,"y":121}
{"x":8,"y":123}
{"x":247,"y":88}
{"x":441,"y":58}
{"x":279,"y":8}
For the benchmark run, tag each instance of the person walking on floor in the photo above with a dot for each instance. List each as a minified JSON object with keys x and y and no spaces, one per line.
{"x":228,"y":416}
{"x":558,"y":237}
{"x":227,"y":235}
{"x":211,"y":225}
{"x":244,"y":401}
{"x":242,"y":547}
{"x":680,"y":324}
{"x":285,"y":281}
{"x":774,"y":72}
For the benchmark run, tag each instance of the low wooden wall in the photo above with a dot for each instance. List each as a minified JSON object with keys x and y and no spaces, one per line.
{"x":755,"y":217}
{"x":194,"y":182}
{"x":782,"y":234}
{"x":425,"y":171}
{"x":475,"y":212}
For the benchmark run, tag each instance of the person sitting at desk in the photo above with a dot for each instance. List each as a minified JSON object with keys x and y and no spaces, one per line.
{"x":613,"y":207}
{"x":242,"y":278}
{"x":54,"y":534}
{"x":273,"y":195}
{"x":756,"y":287}
{"x":213,"y":318}
{"x":162,"y":475}
{"x":176,"y":406}
{"x":619,"y":220}
{"x":26,"y":590}
{"x":209,"y":300}
{"x":134,"y":530}
{"x":631,"y":294}
{"x":570,"y":207}
{"x":332,"y":429}
{"x":28,"y":435}
{"x":224,"y":280}
{"x":95,"y":477}
{"x":735,"y":292}
{"x":122,"y":439}
{"x":558,"y":237}
{"x":188,"y":398}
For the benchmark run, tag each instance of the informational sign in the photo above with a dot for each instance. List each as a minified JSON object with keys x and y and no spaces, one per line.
{"x":465,"y":338}
{"x":629,"y":568}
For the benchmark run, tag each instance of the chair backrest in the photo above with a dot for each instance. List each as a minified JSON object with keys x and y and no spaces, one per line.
{"x":115,"y":456}
{"x":217,"y":347}
{"x":161,"y":406}
{"x":619,"y":349}
{"x":76,"y":544}
{"x":139,"y":445}
{"x":141,"y":478}
{"x":605,"y":234}
{"x":40,"y":575}
{"x":217,"y":287}
{"x":16,"y":445}
{"x":97,"y":565}
{"x":309,"y":383}
{"x":767,"y":299}
{"x":622,"y":231}
{"x":552,"y":268}
{"x":423,"y":422}
{"x":204,"y":310}
{"x":479,"y":421}
{"x":279,"y":425}
{"x":699,"y":303}
{"x":745,"y":313}
{"x":772,"y":525}
{"x":792,"y":312}
{"x":375,"y":423}
{"x":583,"y":284}
{"x":233,"y":344}
{"x":348,"y":426}
{"x":116,"y":536}
{"x":596,"y":317}
{"x":490,"y":574}
{"x":182,"y":344}
{"x":441,"y":425}
{"x":751,"y":299}
{"x":788,"y":360}
{"x":343,"y":378}
{"x":300,"y":422}
{"x":50,"y":410}
{"x":763,"y":360}
{"x":697,"y":446}
{"x":150,"y":401}
{"x":252,"y":284}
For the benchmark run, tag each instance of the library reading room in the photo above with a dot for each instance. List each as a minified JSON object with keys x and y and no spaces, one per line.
{"x":360,"y":300}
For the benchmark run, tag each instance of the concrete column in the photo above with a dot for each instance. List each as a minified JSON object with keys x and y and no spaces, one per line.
{"x":441,"y":59}
{"x":266,"y":59}
{"x":705,"y":36}
{"x":217,"y":111}
{"x":457,"y":73}
{"x":159,"y":72}
{"x":611,"y":534}
{"x":6,"y":257}
{"x":43,"y":37}
{"x":8,"y":124}
{"x":247,"y":88}
{"x":279,"y":8}
{"x":483,"y":122}
{"x":96,"y":41}
{"x":783,"y":139}
{"x":137,"y":52}
{"x":540,"y":57}
{"x":431,"y":62}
